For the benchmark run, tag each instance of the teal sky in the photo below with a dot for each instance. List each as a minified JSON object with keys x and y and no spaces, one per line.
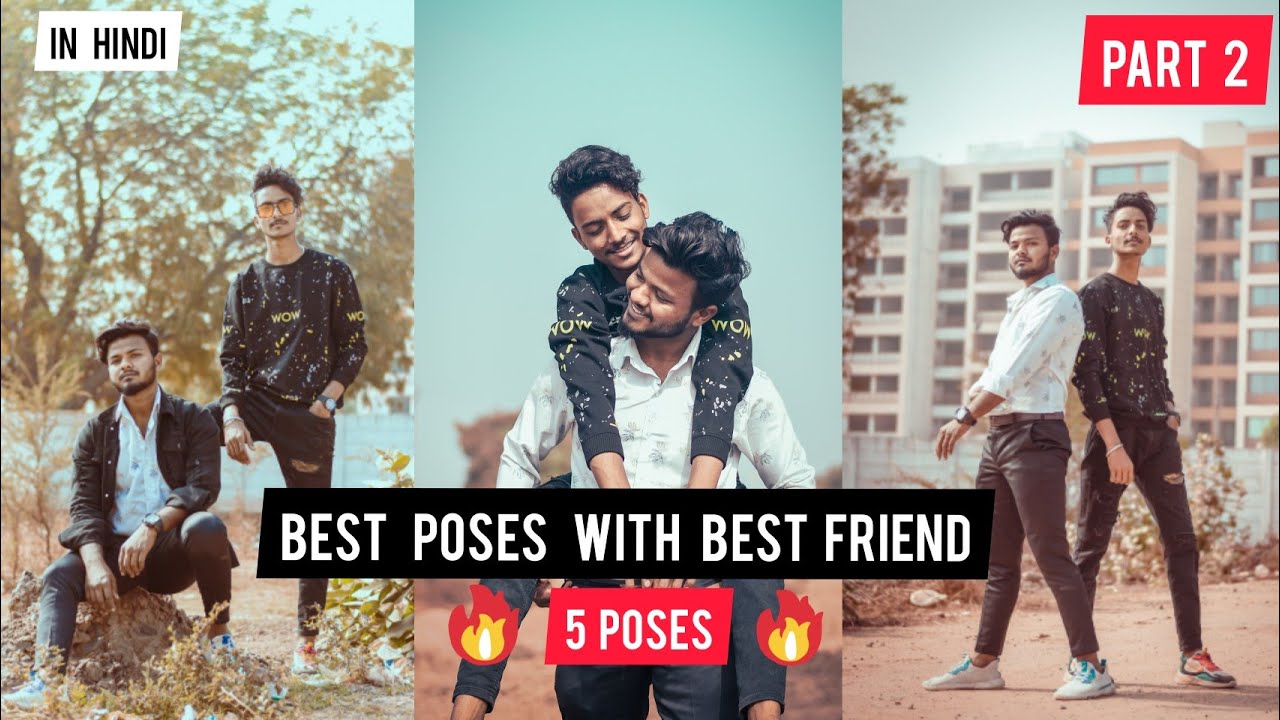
{"x":729,"y":107}
{"x":985,"y":71}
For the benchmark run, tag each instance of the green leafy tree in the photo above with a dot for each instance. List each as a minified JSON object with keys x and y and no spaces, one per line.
{"x":128,"y":193}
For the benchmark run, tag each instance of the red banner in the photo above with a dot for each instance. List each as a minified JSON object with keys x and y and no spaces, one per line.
{"x":1175,"y":60}
{"x":639,"y":626}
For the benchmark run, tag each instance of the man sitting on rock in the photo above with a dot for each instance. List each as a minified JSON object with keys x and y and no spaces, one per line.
{"x":146,"y":472}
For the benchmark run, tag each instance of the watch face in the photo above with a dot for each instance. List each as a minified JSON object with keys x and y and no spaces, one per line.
{"x":960,"y":415}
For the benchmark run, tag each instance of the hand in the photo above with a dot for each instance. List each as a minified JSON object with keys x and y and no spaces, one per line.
{"x":100,"y":584}
{"x":133,"y":554}
{"x":1121,"y":467}
{"x":235,"y":435}
{"x":1173,"y":422}
{"x":947,"y":438}
{"x":319,"y":410}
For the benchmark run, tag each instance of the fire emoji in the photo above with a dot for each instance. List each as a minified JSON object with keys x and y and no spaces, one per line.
{"x":488,"y":635}
{"x":795,"y":635}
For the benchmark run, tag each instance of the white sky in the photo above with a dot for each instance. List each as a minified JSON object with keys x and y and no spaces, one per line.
{"x":984,"y":71}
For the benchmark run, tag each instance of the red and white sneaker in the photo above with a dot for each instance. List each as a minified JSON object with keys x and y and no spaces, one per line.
{"x":306,"y":661}
{"x":1200,"y":669}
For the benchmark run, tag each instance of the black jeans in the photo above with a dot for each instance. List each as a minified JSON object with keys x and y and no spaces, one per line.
{"x":303,"y":445}
{"x":1157,"y":470}
{"x":1026,"y":464}
{"x":197,"y":551}
{"x":681,"y":692}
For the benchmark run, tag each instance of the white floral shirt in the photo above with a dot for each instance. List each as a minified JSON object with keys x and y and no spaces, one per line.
{"x":140,"y":488}
{"x":654,"y":418}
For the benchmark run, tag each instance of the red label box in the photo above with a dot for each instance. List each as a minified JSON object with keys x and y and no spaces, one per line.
{"x":1175,"y":60}
{"x":639,"y":626}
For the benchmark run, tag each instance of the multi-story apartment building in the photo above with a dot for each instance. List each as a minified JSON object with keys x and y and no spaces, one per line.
{"x":930,"y":305}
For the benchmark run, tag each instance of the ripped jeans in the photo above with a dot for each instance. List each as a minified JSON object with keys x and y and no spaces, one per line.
{"x":303,"y":445}
{"x":1157,"y":468}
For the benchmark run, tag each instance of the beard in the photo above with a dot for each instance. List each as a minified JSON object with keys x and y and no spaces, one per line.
{"x":656,"y":330}
{"x":1031,"y":269}
{"x":136,"y":384}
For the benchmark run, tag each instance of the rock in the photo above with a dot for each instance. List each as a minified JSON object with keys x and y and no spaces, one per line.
{"x":1032,"y":576}
{"x":1262,"y":572}
{"x":926,"y":598}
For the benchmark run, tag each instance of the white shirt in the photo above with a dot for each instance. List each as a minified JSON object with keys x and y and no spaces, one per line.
{"x":1035,"y":349}
{"x":140,"y":488}
{"x":655,"y":418}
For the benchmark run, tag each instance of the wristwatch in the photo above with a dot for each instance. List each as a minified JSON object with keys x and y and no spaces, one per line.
{"x":329,"y":403}
{"x":153,"y":521}
{"x":964,"y":417}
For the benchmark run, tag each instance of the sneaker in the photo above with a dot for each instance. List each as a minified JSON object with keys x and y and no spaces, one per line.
{"x":967,"y":676}
{"x":305,"y":660}
{"x":221,"y":649}
{"x":28,"y":696}
{"x":1087,"y":683}
{"x":1070,"y":672}
{"x":1200,"y":669}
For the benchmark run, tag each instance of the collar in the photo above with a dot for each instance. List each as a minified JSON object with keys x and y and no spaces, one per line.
{"x":1047,"y":281}
{"x":156,"y":406}
{"x":624,"y":351}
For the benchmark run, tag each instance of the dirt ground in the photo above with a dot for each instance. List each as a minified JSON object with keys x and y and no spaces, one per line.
{"x":884,"y":666}
{"x":813,"y":689}
{"x":263,"y":623}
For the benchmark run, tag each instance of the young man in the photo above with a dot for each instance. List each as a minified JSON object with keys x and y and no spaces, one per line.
{"x":292,"y":344}
{"x":691,"y":266}
{"x":599,"y":191}
{"x":1024,"y":390}
{"x":146,"y":472}
{"x":1134,"y":438}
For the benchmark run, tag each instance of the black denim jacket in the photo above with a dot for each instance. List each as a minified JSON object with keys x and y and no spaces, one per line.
{"x":186,"y":448}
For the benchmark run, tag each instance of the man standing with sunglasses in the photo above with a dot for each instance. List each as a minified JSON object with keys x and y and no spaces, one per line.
{"x":292,"y":344}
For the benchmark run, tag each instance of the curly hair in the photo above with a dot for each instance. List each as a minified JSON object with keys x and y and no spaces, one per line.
{"x":125,"y":328}
{"x":1139,"y":200}
{"x":278,"y":176}
{"x":1032,"y":217}
{"x":705,"y":248}
{"x":591,"y":165}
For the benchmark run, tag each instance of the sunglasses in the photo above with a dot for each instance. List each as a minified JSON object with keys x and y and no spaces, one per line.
{"x":268,"y":209}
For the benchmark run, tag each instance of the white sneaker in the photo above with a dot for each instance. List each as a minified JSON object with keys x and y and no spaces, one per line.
{"x":1070,"y":672}
{"x":967,"y":676}
{"x":221,"y":649}
{"x":30,"y":695}
{"x":1088,"y":682}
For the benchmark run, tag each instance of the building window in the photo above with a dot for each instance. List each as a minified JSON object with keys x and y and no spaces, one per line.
{"x":1266,"y":166}
{"x":1263,"y":340}
{"x":1227,"y":393}
{"x":1154,"y":172}
{"x":945,"y":392}
{"x":886,"y":383}
{"x":989,"y":261}
{"x":949,"y":353}
{"x":952,"y":275}
{"x":1206,"y":267}
{"x":886,"y":423}
{"x":1264,"y":252}
{"x":985,"y":342}
{"x":1227,"y":351}
{"x":1099,"y":258}
{"x":891,"y":305}
{"x":1266,"y":210}
{"x":1098,"y":220}
{"x":1264,"y":384}
{"x":893,"y":226}
{"x":1235,"y":185}
{"x":1201,"y":427}
{"x":1202,"y":393}
{"x":1115,"y":175}
{"x":1035,"y":179}
{"x":1227,"y":433}
{"x":1255,"y":426}
{"x":1154,"y":257}
{"x":1204,"y":309}
{"x":951,"y":315}
{"x":988,"y":302}
{"x":956,"y":199}
{"x":955,"y":237}
{"x":988,"y":222}
{"x":1209,"y":186}
{"x":1233,"y":226}
{"x":996,"y":182}
{"x":1207,"y":227}
{"x":1203,"y":353}
{"x":863,"y":344}
{"x":864,"y":306}
{"x":897,"y":187}
{"x":1230,"y":267}
{"x":859,"y":383}
{"x":892,"y":265}
{"x":1229,"y":309}
{"x":859,"y":423}
{"x":1262,"y":296}
{"x":890,"y":344}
